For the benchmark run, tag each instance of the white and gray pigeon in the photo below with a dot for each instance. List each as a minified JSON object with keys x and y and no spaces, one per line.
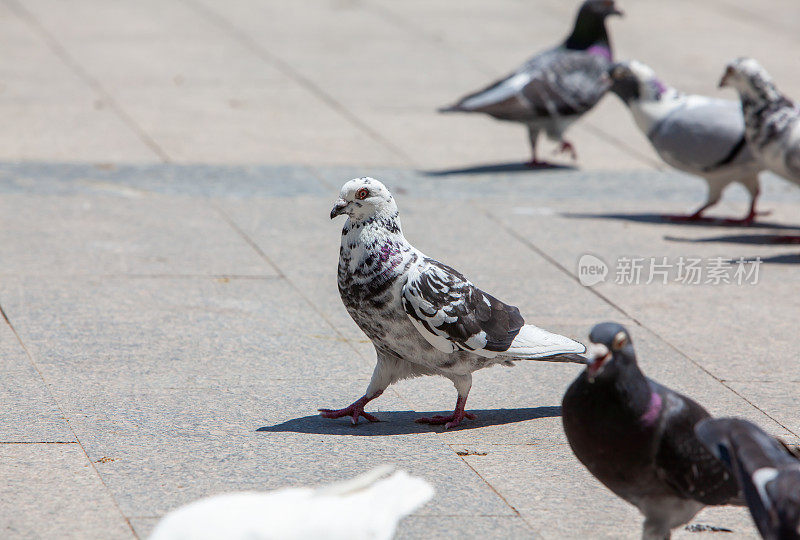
{"x":768,"y":473}
{"x":554,"y":88}
{"x":637,"y":437}
{"x":696,"y":134}
{"x":423,"y":317}
{"x":772,"y":120}
{"x":368,"y":507}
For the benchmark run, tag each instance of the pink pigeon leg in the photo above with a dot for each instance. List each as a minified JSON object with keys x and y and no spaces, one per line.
{"x":566,"y":146}
{"x":451,"y":420}
{"x":354,"y":411}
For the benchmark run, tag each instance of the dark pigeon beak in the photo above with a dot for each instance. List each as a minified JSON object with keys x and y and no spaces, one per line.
{"x":338,"y":208}
{"x":723,"y":82}
{"x":618,"y":12}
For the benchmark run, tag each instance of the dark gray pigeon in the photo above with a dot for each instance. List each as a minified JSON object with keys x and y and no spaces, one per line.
{"x":767,"y":472}
{"x":772,"y":119}
{"x":554,"y":88}
{"x":423,"y":317}
{"x":695,"y":134}
{"x":637,"y":437}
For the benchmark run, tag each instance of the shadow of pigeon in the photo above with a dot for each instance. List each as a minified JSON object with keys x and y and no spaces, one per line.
{"x":749,"y":239}
{"x":790,"y":258}
{"x":493,"y":168}
{"x":403,"y":422}
{"x":660,"y":219}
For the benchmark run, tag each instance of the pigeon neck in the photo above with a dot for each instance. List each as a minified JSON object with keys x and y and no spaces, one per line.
{"x":382,"y":222}
{"x":589,"y":30}
{"x":762,"y":92}
{"x":632,"y":386}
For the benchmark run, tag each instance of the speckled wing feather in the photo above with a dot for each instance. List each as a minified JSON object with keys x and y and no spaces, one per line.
{"x":569,"y":83}
{"x":452,"y":314}
{"x":558,"y":82}
{"x":683,"y":462}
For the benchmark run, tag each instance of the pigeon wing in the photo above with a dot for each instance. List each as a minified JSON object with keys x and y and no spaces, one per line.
{"x":683,"y":462}
{"x":452,"y":314}
{"x":565,"y":83}
{"x":555,"y":83}
{"x":702,"y":135}
{"x":768,"y":471}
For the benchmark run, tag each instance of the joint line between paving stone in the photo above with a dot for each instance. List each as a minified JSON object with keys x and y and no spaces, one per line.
{"x":69,"y":425}
{"x":516,"y":512}
{"x":611,"y":303}
{"x":284,"y":67}
{"x":61,"y":52}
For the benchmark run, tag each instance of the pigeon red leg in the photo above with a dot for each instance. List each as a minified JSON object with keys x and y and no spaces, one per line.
{"x":451,"y":420}
{"x":697,"y":216}
{"x":566,"y":146}
{"x":751,"y":215}
{"x":354,"y":411}
{"x":534,"y":163}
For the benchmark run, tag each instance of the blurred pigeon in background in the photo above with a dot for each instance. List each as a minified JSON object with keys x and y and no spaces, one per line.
{"x":423,"y":317}
{"x":695,"y":134}
{"x":554,"y":88}
{"x":772,"y":120}
{"x":368,"y":507}
{"x":637,"y":437}
{"x":766,"y":470}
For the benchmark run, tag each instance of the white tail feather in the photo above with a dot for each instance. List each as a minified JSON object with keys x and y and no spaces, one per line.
{"x":533,"y":342}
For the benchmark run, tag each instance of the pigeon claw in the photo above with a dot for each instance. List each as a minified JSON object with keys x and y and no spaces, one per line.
{"x":354,"y":411}
{"x":536,"y":164}
{"x":569,"y":149}
{"x":449,"y":421}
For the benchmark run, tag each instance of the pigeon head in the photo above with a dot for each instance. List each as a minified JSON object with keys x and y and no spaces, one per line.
{"x":364,"y":198}
{"x":599,"y":9}
{"x":590,"y":28}
{"x":635,"y":81}
{"x":746,"y":76}
{"x":610,"y":350}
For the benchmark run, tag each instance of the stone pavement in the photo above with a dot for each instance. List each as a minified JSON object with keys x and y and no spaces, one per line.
{"x":172,"y":330}
{"x":167,"y":265}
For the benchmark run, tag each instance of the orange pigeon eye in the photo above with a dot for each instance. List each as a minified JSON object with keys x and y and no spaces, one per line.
{"x":362,"y":194}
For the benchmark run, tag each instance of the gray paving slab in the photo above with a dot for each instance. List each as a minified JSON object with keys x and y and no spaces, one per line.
{"x":54,"y":113}
{"x":130,"y":233}
{"x":545,"y":476}
{"x":51,"y":490}
{"x":777,"y":398}
{"x":476,"y":527}
{"x":161,"y":332}
{"x":200,"y":93}
{"x":132,"y":180}
{"x":28,"y":412}
{"x":156,"y":467}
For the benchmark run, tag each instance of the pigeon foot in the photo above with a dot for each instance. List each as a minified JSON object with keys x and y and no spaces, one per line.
{"x":536,"y":164}
{"x":449,"y":421}
{"x":749,"y":219}
{"x":567,"y":147}
{"x":354,"y":411}
{"x":697,"y":217}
